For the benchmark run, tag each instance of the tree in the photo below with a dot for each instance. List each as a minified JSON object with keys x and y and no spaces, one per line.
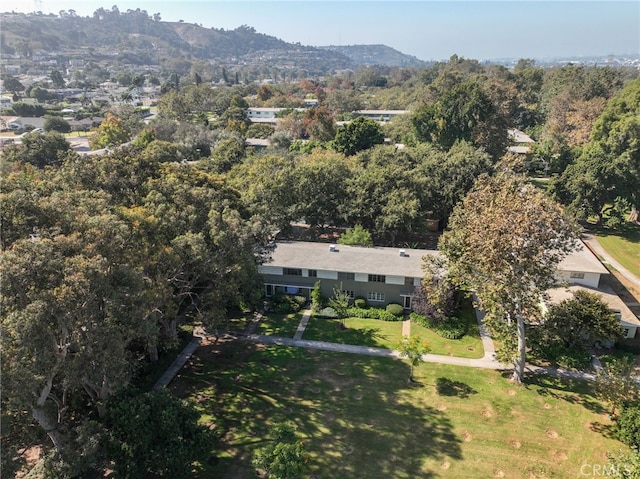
{"x":111,"y":132}
{"x":627,"y":425}
{"x":580,"y":321}
{"x":12,"y":84}
{"x":284,"y":456}
{"x":615,"y":383}
{"x":360,"y":134}
{"x":340,"y":303}
{"x":48,"y":149}
{"x":413,"y":348}
{"x":316,"y":297}
{"x":463,"y":112}
{"x":57,"y":79}
{"x":357,"y":236}
{"x":504,"y":242}
{"x":55,"y":123}
{"x":436,"y":297}
{"x":155,"y":433}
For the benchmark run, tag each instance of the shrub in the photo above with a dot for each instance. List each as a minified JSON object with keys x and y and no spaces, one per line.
{"x":574,"y":358}
{"x":395,"y":309}
{"x":328,"y":313}
{"x":360,"y":303}
{"x":285,"y":303}
{"x":372,"y":313}
{"x":451,"y":328}
{"x":627,"y":427}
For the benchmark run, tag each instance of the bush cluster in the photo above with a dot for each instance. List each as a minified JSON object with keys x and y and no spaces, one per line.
{"x":286,"y":303}
{"x":372,"y":313}
{"x":327,"y":313}
{"x":568,"y":358}
{"x":451,"y":328}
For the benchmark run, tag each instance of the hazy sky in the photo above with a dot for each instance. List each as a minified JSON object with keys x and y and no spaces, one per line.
{"x":429,"y":30}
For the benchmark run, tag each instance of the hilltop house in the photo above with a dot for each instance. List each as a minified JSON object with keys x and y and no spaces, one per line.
{"x":381,"y":275}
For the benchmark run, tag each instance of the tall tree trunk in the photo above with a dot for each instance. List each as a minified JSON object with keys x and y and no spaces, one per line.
{"x":633,"y":215}
{"x":50,"y":425}
{"x":521,"y":355}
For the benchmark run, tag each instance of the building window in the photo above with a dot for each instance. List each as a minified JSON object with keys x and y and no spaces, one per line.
{"x":377,"y":278}
{"x":349,"y":294}
{"x":375,"y":296}
{"x":313,"y":273}
{"x":347,"y":276}
{"x":408,"y":281}
{"x":292,"y":271}
{"x":625,"y":332}
{"x":406,"y":302}
{"x":575,"y":275}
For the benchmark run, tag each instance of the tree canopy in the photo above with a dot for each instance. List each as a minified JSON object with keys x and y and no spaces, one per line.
{"x":504,"y":242}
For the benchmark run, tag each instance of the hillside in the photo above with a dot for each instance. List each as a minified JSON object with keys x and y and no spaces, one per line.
{"x":376,"y":55}
{"x":135,"y":34}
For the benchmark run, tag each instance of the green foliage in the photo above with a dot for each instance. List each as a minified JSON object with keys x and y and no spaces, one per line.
{"x":340,"y":301}
{"x":287,"y":303}
{"x":284,"y":456}
{"x":39,"y":150}
{"x":360,"y":134}
{"x":453,"y":327}
{"x":317,"y":300}
{"x":55,"y":123}
{"x":356,"y":236}
{"x":627,"y":425}
{"x":624,"y":465}
{"x":360,"y":303}
{"x":413,"y":348}
{"x":615,"y":382}
{"x":155,"y":433}
{"x":395,"y":309}
{"x":575,"y":324}
{"x":111,"y":132}
{"x":374,"y":313}
{"x":328,"y":313}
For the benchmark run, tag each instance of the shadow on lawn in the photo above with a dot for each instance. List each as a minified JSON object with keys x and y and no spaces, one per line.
{"x":333,"y":331}
{"x":447,"y":387}
{"x":570,"y":390}
{"x":357,"y":414}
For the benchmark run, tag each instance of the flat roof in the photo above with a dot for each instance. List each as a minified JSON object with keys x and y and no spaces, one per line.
{"x":349,"y":259}
{"x":582,"y":260}
{"x":607,"y":295}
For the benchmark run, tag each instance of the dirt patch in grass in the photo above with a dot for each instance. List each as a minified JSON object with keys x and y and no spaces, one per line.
{"x":487,"y":412}
{"x":515,"y":444}
{"x":552,"y":434}
{"x":467,"y":437}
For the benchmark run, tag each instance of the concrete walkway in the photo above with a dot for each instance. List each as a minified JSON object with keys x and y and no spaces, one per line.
{"x":180,"y":361}
{"x":592,"y":242}
{"x":303,"y":324}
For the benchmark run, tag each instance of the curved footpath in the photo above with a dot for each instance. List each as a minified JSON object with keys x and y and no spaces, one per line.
{"x":488,"y":361}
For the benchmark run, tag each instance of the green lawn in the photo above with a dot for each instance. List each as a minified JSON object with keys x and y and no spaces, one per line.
{"x":360,"y":418}
{"x":469,"y":346}
{"x":285,"y":325}
{"x":624,"y":246}
{"x":361,"y":332}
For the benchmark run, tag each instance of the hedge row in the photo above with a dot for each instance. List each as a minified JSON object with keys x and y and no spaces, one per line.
{"x":451,"y":328}
{"x":373,"y":313}
{"x":286,"y":303}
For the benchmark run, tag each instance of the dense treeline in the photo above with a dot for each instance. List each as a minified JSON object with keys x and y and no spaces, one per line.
{"x":104,"y":257}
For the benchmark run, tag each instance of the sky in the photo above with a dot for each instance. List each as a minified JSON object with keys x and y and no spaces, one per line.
{"x":429,"y":30}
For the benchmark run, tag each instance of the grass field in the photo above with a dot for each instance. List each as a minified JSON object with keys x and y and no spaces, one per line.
{"x":360,"y":418}
{"x":361,"y":332}
{"x":273,"y":324}
{"x":624,"y":246}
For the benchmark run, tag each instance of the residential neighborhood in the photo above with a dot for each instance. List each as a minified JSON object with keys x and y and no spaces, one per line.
{"x":228,"y":255}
